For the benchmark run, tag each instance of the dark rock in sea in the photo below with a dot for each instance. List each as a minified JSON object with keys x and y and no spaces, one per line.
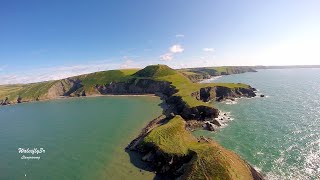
{"x":262,"y":95}
{"x":220,"y":93}
{"x":19,"y":100}
{"x":5,"y":101}
{"x":215,"y":122}
{"x":209,"y":126}
{"x":83,"y":93}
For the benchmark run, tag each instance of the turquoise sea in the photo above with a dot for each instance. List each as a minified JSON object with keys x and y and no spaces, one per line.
{"x":278,"y":134}
{"x":83,"y":138}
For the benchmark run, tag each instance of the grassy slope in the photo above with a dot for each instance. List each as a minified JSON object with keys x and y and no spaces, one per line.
{"x":210,"y":161}
{"x":89,"y":81}
{"x":27,"y":91}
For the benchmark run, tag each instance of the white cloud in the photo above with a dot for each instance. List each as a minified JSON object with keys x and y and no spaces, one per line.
{"x":166,"y":57}
{"x":127,"y":64}
{"x":54,"y":73}
{"x":179,"y":35}
{"x":208,"y":49}
{"x":176,"y":48}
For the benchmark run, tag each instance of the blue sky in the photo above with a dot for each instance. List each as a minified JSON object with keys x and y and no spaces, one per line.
{"x":43,"y":40}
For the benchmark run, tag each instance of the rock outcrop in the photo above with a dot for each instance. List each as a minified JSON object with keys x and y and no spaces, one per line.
{"x":65,"y":87}
{"x":19,"y":100}
{"x":190,"y":113}
{"x":197,"y":76}
{"x":220,"y":93}
{"x":4,"y":101}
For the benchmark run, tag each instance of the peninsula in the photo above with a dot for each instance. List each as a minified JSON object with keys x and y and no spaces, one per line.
{"x":165,"y":144}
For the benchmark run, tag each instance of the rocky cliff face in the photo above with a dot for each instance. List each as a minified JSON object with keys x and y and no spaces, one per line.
{"x":191,"y":113}
{"x":64,"y":87}
{"x":220,"y":93}
{"x":197,"y":77}
{"x":138,"y":86}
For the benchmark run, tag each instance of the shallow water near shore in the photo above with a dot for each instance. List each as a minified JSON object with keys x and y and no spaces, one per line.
{"x":280,"y":133}
{"x":83,"y":138}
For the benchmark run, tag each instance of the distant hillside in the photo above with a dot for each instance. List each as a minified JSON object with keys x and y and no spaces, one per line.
{"x":198,"y":74}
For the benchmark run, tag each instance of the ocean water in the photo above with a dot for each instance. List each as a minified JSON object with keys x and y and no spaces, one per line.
{"x":280,"y":133}
{"x":83,"y":138}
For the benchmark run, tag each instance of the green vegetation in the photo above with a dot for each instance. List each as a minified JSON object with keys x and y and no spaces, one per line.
{"x":209,"y":159}
{"x":29,"y":92}
{"x":171,"y":138}
{"x":89,"y":81}
{"x":9,"y":88}
{"x":155,"y":71}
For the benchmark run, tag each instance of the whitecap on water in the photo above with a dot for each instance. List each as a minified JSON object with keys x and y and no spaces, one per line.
{"x":260,"y":153}
{"x":230,"y":102}
{"x":214,"y":78}
{"x":223,"y":119}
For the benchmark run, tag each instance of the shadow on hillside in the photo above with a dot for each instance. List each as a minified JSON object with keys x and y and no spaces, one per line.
{"x":167,"y":109}
{"x":135,"y":159}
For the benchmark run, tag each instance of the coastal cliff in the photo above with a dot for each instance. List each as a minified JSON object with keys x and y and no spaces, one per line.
{"x":172,"y":152}
{"x":166,"y":144}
